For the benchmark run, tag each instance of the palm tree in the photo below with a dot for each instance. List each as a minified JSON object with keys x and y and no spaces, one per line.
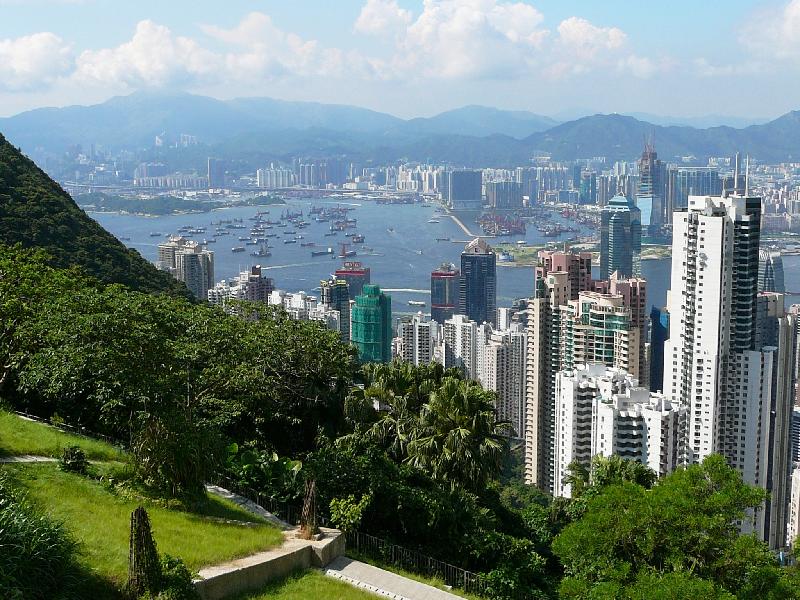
{"x":457,"y":437}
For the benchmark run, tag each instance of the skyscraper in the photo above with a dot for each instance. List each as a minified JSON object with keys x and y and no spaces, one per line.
{"x":335,"y":294}
{"x":503,"y":372}
{"x":417,"y":339}
{"x":460,"y":345}
{"x":504,"y":194}
{"x":604,"y":411}
{"x":465,"y":189}
{"x":189,"y":262}
{"x":651,"y":190}
{"x":685,"y":181}
{"x":478,"y":285}
{"x":445,"y":287}
{"x":216,"y":173}
{"x":733,"y":377}
{"x":620,"y":237}
{"x":770,"y":271}
{"x":605,"y":327}
{"x":355,"y":274}
{"x":371,"y":325}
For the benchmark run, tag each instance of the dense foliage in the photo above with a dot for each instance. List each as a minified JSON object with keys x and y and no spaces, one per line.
{"x":37,"y":213}
{"x":37,"y":555}
{"x":679,"y":539}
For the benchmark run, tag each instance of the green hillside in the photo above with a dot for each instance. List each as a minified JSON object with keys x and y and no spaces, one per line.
{"x":36,"y":212}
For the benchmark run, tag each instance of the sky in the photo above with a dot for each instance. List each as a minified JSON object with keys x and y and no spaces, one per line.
{"x":412,"y":58}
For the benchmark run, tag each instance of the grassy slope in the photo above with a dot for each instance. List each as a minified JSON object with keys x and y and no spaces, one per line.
{"x":99,"y":519}
{"x":310,"y":585}
{"x":18,"y":436}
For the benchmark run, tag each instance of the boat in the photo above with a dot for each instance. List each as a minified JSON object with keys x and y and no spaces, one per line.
{"x":416,"y":303}
{"x":322,"y":252}
{"x":357,"y":238}
{"x":251,"y":243}
{"x":390,"y":229}
{"x":237,"y":249}
{"x":209,"y":241}
{"x":418,"y":251}
{"x":433,"y":220}
{"x":155,"y":234}
{"x":308,"y":244}
{"x":289,"y":241}
{"x":331,"y":233}
{"x":125,"y":239}
{"x":261,"y":252}
{"x":443,"y":239}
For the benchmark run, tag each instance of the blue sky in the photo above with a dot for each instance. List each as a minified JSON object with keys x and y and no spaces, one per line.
{"x":411,"y":58}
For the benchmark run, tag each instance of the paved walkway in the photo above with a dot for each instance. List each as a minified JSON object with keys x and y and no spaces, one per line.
{"x":247,"y":505}
{"x":26,"y":458}
{"x":383,"y":582}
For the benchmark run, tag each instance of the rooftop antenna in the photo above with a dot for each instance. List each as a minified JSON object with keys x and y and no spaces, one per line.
{"x":736,"y":175}
{"x":747,"y":175}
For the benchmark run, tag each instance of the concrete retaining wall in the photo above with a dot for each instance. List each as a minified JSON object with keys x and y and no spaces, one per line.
{"x":253,"y":572}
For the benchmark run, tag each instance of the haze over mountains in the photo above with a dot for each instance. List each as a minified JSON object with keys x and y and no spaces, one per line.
{"x":262,"y":129}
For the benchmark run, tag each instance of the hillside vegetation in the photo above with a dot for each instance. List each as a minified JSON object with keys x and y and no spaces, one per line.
{"x":36,"y":213}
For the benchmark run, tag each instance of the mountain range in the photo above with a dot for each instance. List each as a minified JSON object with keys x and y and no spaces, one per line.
{"x":257,"y":130}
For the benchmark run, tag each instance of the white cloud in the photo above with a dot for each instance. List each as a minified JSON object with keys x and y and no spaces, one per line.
{"x":454,"y":39}
{"x":587,"y":41}
{"x":33,"y":61}
{"x":639,"y":66}
{"x":774,"y":33}
{"x":153,"y":57}
{"x":382,"y":16}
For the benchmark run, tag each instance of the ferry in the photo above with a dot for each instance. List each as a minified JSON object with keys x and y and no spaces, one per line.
{"x":237,"y":249}
{"x":416,"y":303}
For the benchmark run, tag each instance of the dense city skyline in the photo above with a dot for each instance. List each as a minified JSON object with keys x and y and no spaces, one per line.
{"x":410,"y":58}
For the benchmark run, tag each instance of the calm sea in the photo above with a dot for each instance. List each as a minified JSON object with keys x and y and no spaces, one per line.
{"x":403,"y":243}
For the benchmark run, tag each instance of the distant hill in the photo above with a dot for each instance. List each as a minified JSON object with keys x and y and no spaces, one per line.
{"x":133,"y":121}
{"x":36,"y":212}
{"x":254,"y":131}
{"x":481,"y":121}
{"x":622,"y":137}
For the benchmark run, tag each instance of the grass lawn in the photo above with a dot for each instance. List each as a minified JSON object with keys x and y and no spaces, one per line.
{"x":431,"y":581}
{"x":100,"y":520}
{"x":310,"y":585}
{"x":20,"y":436}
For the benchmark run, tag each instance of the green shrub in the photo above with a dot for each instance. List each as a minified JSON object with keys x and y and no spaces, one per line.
{"x":73,"y":460}
{"x":176,"y":580}
{"x":37,"y":555}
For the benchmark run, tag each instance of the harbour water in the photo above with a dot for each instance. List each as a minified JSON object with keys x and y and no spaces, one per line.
{"x":403,"y":243}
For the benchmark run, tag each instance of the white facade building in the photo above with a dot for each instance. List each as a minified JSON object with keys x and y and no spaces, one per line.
{"x":602,"y":411}
{"x":417,"y":340}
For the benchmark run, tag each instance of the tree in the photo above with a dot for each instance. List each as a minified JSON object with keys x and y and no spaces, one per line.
{"x":688,"y":523}
{"x":458,"y":438}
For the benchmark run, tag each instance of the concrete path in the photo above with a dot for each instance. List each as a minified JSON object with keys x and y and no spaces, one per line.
{"x":26,"y":458}
{"x":383,"y":582}
{"x":247,"y":505}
